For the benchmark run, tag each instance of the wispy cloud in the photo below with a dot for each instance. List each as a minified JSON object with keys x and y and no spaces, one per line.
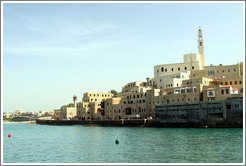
{"x":59,"y":36}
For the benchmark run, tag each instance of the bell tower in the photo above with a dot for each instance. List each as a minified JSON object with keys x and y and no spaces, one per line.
{"x":201,"y":46}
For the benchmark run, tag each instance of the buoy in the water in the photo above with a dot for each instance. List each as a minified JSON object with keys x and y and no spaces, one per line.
{"x":9,"y":135}
{"x":117,"y":141}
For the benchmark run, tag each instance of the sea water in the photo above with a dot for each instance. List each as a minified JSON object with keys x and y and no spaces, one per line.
{"x":31,"y":143}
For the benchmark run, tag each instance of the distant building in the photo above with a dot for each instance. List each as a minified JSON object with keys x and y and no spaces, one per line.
{"x":69,"y":112}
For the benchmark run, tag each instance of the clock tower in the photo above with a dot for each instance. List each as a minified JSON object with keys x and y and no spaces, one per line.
{"x":201,"y":46}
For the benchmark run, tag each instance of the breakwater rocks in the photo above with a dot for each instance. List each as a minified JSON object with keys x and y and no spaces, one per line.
{"x":140,"y":123}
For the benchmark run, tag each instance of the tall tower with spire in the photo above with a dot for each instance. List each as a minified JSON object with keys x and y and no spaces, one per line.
{"x":201,"y":46}
{"x":75,"y":101}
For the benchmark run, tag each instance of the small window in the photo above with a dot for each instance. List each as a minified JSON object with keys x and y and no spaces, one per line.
{"x":223,"y":71}
{"x":222,"y":91}
{"x":235,"y":69}
{"x":194,"y":99}
{"x":240,"y":82}
{"x":229,"y":70}
{"x":162,"y":69}
{"x":225,"y":83}
{"x":185,"y":68}
{"x":235,"y":82}
{"x":193,"y":67}
{"x":217,"y":71}
{"x":194,"y":75}
{"x":230,"y":82}
{"x":179,"y":69}
{"x":227,"y":91}
{"x":165,"y":70}
{"x":172,"y":69}
{"x":237,"y":106}
{"x":157,"y":71}
{"x":160,"y":80}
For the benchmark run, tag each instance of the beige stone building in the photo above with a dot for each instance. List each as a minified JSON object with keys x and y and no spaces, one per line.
{"x":69,"y":112}
{"x":216,"y":91}
{"x":90,"y":107}
{"x":172,"y":75}
{"x":189,"y":81}
{"x":228,"y":74}
{"x":130,"y":104}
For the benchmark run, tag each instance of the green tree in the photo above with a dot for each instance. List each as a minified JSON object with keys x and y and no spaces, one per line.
{"x":70,"y":105}
{"x":114,"y":92}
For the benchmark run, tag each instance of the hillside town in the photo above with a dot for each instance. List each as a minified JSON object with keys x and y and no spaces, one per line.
{"x":185,"y":82}
{"x":189,"y":81}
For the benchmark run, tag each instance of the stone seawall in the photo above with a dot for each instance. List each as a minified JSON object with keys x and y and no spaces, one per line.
{"x":138,"y":123}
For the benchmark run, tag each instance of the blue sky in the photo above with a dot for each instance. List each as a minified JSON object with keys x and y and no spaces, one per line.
{"x":53,"y":51}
